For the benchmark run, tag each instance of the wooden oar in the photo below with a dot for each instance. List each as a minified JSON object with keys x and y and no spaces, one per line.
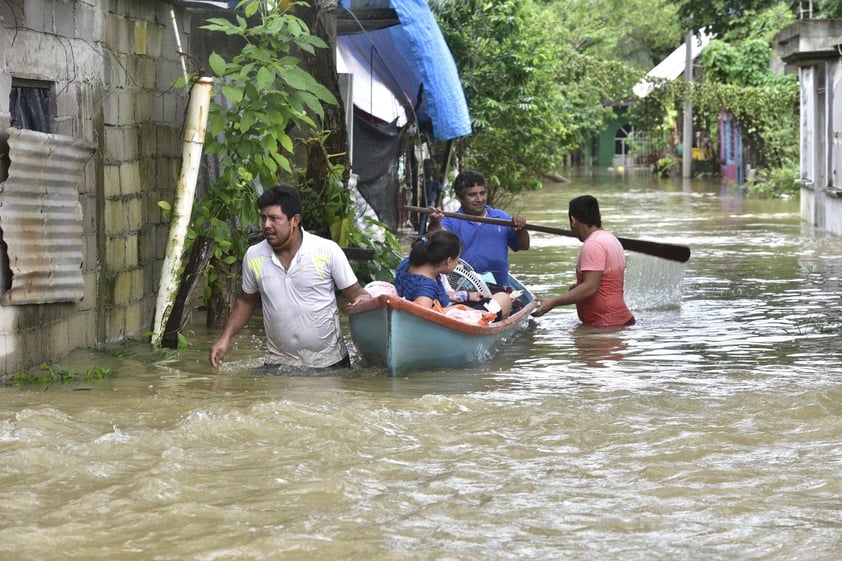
{"x":672,"y":252}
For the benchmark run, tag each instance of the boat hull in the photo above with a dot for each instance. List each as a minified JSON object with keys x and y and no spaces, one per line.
{"x":402,"y":336}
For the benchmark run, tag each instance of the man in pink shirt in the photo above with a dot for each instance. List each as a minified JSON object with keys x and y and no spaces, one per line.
{"x":600,"y":271}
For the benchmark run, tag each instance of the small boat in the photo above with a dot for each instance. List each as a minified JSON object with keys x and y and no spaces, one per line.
{"x":403,"y":336}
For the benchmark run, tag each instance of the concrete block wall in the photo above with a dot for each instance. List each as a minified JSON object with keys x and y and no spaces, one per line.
{"x":141,"y":157}
{"x":52,"y":42}
{"x":112,"y":63}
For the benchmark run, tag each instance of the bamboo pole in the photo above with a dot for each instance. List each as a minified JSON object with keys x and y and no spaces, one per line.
{"x":194,"y":139}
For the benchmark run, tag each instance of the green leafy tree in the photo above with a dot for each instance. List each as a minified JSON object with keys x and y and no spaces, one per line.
{"x":532,"y":97}
{"x":738,"y":79}
{"x":638,"y":33}
{"x":719,"y":16}
{"x":827,"y":8}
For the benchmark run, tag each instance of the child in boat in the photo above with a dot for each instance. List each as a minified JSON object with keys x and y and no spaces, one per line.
{"x":417,"y":276}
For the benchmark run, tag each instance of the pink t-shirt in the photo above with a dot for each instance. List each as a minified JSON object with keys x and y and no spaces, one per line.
{"x":602,"y":251}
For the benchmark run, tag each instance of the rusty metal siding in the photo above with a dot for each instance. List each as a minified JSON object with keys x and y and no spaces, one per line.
{"x":41,"y":217}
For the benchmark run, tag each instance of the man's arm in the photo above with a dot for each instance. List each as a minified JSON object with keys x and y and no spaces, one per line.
{"x":521,"y":233}
{"x":434,"y":219}
{"x":355,"y":294}
{"x":583,"y":291}
{"x":240,"y":315}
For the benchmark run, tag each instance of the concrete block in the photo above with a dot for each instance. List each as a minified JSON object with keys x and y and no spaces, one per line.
{"x":140,"y":38}
{"x":157,"y":109}
{"x":80,"y":332}
{"x":115,"y":324}
{"x":146,"y":246}
{"x":67,"y":103}
{"x":151,"y":278}
{"x":171,"y":114}
{"x":112,"y":148}
{"x":65,"y":126}
{"x":88,"y":214}
{"x":88,"y":183}
{"x":111,"y":106}
{"x":163,"y":177}
{"x":124,"y":42}
{"x":115,"y":253}
{"x":143,"y":105}
{"x":7,"y":367}
{"x":163,"y":236}
{"x":148,"y":69}
{"x":148,"y":136}
{"x":122,"y":288}
{"x":111,"y":177}
{"x":114,"y":218}
{"x":64,"y":18}
{"x":8,"y":318}
{"x":154,"y":213}
{"x":91,"y":278}
{"x":130,"y":141}
{"x":112,"y":30}
{"x":85,"y":18}
{"x":135,"y":213}
{"x":134,"y":319}
{"x":154,"y":32}
{"x":138,"y":287}
{"x":118,"y":74}
{"x":38,"y":16}
{"x":146,"y":173}
{"x":60,"y":338}
{"x":167,"y":75}
{"x":131,"y":251}
{"x":130,"y":178}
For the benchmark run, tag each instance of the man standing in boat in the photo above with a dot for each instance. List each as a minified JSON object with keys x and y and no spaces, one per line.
{"x":485,"y":246}
{"x":600,"y":271}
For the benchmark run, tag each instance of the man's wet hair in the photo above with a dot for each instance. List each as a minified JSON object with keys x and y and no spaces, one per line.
{"x":585,"y":209}
{"x":283,"y":196}
{"x":465,"y":181}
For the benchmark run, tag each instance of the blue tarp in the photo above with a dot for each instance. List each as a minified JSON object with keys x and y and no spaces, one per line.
{"x":406,"y":57}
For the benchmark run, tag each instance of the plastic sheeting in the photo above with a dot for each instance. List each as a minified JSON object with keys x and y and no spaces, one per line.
{"x":409,"y":59}
{"x":376,"y":164}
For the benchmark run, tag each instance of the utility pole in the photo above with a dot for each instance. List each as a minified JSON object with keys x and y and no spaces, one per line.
{"x":687,"y":154}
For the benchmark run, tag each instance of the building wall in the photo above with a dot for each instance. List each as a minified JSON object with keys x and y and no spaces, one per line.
{"x":812,"y":48}
{"x":112,"y":64}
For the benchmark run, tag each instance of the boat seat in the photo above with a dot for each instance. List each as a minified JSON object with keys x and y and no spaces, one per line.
{"x":464,"y":277}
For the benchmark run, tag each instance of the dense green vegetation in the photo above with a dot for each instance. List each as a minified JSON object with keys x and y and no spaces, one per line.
{"x":543,"y":77}
{"x":536,"y":85}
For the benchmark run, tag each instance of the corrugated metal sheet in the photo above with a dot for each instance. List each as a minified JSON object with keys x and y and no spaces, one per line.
{"x":41,"y":217}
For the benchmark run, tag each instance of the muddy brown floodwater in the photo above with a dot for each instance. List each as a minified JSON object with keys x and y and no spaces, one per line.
{"x":711,"y":429}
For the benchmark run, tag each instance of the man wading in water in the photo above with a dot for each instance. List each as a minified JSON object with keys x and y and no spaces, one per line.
{"x":294,"y":274}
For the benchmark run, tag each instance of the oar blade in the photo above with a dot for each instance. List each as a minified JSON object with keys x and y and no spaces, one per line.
{"x":680,"y":253}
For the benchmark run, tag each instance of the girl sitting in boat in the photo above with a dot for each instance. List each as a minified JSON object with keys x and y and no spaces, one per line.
{"x":417,"y":277}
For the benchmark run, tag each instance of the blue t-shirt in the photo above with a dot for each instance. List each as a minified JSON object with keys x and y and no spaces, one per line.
{"x":485,"y":246}
{"x":411,"y":286}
